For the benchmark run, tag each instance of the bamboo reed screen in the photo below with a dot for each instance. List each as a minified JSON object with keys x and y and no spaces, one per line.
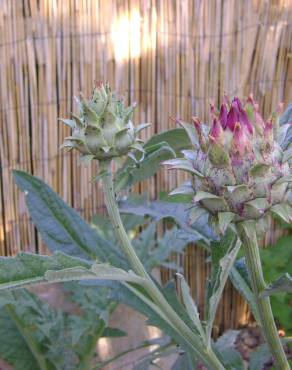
{"x":171,"y":57}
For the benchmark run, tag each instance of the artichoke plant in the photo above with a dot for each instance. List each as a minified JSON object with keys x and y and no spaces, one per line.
{"x":241,"y":173}
{"x":239,"y":166}
{"x":104,"y":129}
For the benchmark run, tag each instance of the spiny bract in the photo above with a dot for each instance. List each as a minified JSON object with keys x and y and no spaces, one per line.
{"x":104,"y":129}
{"x":239,"y":165}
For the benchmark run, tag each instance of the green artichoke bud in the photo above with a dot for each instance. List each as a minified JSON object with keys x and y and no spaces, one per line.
{"x":240,"y":165}
{"x":104,"y":128}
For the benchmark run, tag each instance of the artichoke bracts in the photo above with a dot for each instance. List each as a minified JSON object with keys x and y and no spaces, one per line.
{"x":239,"y":166}
{"x":104,"y":129}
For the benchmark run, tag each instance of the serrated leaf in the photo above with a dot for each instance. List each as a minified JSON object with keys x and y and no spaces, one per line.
{"x":283,"y":210}
{"x":231,"y":359}
{"x":259,"y":358}
{"x":226,"y":340}
{"x":176,"y":211}
{"x":191,"y":307}
{"x":61,"y":227}
{"x":282,"y":284}
{"x":13,"y":347}
{"x":98,"y":271}
{"x":262,"y":355}
{"x":26,"y":268}
{"x":223,"y":254}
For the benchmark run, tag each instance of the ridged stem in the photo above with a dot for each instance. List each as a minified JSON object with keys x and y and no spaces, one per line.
{"x":205,"y":354}
{"x":248,"y":237}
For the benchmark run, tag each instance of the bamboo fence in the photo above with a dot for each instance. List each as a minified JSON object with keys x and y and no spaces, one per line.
{"x":171,"y":57}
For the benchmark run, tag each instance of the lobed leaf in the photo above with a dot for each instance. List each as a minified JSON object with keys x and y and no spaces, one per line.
{"x":61,"y":227}
{"x":27,"y":269}
{"x":178,"y":212}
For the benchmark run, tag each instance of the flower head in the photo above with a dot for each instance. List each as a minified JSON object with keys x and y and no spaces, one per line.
{"x":244,"y":171}
{"x":104,"y":129}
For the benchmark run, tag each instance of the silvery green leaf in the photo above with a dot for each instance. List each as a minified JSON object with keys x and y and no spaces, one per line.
{"x":13,"y":347}
{"x":285,"y":135}
{"x":69,"y":122}
{"x":27,"y":269}
{"x":184,"y":188}
{"x":201,"y":195}
{"x":192,"y":134}
{"x":141,"y":127}
{"x":224,"y":220}
{"x":225,"y":348}
{"x":282,"y":284}
{"x":195,"y":213}
{"x":283,"y":210}
{"x":223,"y":254}
{"x":98,"y":271}
{"x":176,"y":138}
{"x":227,"y":340}
{"x":61,"y":227}
{"x":231,"y":359}
{"x":286,"y":117}
{"x":190,"y":306}
{"x":189,"y":154}
{"x":262,"y":355}
{"x":178,"y":212}
{"x":259,"y":203}
{"x":240,"y":280}
{"x":182,"y":164}
{"x":259,"y":358}
{"x":238,"y":193}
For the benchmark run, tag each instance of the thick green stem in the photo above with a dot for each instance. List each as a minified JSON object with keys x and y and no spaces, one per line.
{"x":248,"y":236}
{"x":205,"y":354}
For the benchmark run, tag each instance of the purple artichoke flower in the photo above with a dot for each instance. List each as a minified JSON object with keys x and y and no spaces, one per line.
{"x":240,"y":165}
